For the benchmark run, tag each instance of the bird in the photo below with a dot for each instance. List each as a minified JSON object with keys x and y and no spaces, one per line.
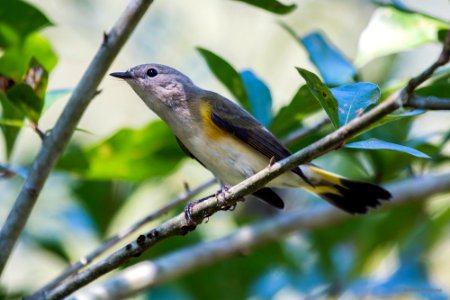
{"x":233,"y":145}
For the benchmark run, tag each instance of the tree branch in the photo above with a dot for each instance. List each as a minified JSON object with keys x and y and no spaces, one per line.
{"x":178,"y":225}
{"x":429,"y":103}
{"x":114,"y":240}
{"x":83,"y":262}
{"x":55,"y":143}
{"x":180,"y":262}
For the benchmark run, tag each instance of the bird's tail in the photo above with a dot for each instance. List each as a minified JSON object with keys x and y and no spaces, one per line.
{"x":350,"y":195}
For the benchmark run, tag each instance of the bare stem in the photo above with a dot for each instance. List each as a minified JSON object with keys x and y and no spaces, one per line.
{"x":55,"y":143}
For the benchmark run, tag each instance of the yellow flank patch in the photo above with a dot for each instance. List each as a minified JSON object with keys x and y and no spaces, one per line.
{"x":212,"y":130}
{"x":325,"y":175}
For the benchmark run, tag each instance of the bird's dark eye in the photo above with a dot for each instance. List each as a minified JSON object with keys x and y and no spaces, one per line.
{"x":152,"y":72}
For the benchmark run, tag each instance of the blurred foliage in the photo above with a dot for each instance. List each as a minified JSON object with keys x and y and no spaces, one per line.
{"x":324,"y":262}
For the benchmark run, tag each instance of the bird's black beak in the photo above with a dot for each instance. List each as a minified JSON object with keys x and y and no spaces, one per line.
{"x":122,"y":75}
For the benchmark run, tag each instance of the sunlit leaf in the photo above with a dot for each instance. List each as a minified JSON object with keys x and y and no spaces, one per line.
{"x":259,"y":96}
{"x":391,"y":31}
{"x":271,"y":5}
{"x":323,"y":94}
{"x":376,"y":144}
{"x":14,"y":64}
{"x":354,"y":99}
{"x":226,"y":74}
{"x":39,"y":48}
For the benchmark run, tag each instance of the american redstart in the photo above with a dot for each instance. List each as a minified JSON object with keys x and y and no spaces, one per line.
{"x":232,"y":144}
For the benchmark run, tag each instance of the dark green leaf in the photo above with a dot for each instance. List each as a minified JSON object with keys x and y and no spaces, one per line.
{"x":376,"y":144}
{"x":333,"y":66}
{"x":259,"y":96}
{"x":54,"y":245}
{"x":8,"y":36}
{"x":22,"y":17}
{"x":102,"y":200}
{"x":323,"y":94}
{"x":354,"y":99}
{"x":9,"y":113}
{"x":271,"y":5}
{"x":289,"y":117}
{"x":226,"y":74}
{"x":391,"y":31}
{"x":24,"y":98}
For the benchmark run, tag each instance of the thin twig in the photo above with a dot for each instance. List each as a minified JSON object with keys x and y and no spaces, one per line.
{"x":178,"y":225}
{"x":183,"y":261}
{"x":108,"y":244}
{"x":303,"y":132}
{"x":429,"y":103}
{"x":55,"y":143}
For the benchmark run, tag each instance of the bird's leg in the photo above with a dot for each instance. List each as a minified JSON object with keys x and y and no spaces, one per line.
{"x":188,"y":210}
{"x":222,"y":192}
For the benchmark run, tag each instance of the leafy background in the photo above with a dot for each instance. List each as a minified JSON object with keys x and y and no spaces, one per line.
{"x":100,"y":184}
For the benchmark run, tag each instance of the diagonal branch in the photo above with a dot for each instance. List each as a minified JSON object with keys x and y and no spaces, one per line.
{"x":429,"y":103}
{"x":178,"y":224}
{"x":83,"y":262}
{"x":180,"y":262}
{"x":55,"y":143}
{"x":114,"y":240}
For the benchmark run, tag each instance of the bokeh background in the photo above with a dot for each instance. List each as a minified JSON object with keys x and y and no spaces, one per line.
{"x":249,"y":38}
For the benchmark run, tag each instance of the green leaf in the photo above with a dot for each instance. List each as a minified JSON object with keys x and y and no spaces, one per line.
{"x":391,"y":31}
{"x":333,"y":66}
{"x":273,"y":6}
{"x":227,"y":75}
{"x":38,"y":47}
{"x":323,"y":94}
{"x":259,"y":96}
{"x":24,"y":98}
{"x":376,"y":144}
{"x":15,"y":61}
{"x":10,"y":113}
{"x":354,"y":99}
{"x":289,"y":117}
{"x":14,"y":64}
{"x":131,"y":154}
{"x":22,"y":16}
{"x":102,"y":200}
{"x":394,"y":117}
{"x":8,"y":36}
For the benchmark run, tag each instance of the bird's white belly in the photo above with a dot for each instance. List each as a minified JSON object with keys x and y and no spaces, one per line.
{"x":232,"y":161}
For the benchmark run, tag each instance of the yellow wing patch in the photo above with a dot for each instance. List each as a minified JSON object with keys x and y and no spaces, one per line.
{"x":212,"y":130}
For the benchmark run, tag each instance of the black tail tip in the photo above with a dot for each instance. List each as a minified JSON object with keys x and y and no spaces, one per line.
{"x":355,"y":197}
